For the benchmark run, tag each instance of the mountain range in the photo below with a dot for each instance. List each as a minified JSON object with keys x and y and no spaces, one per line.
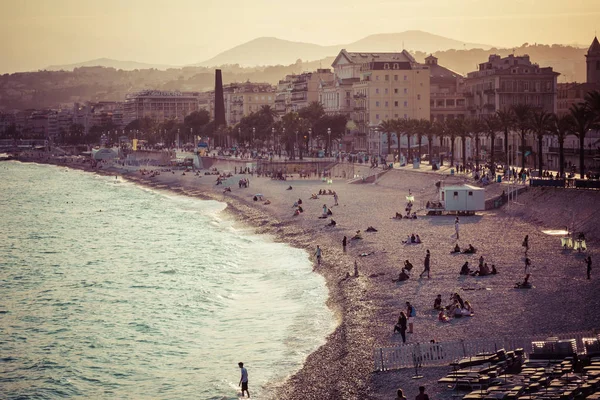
{"x":273,"y":51}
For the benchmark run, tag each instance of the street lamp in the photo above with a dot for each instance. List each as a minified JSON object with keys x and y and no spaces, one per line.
{"x":273,"y":133}
{"x":253,"y":132}
{"x":309,"y":138}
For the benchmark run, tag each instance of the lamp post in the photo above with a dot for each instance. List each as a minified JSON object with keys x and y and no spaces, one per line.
{"x":273,"y":133}
{"x":329,"y":135}
{"x":253,"y":132}
{"x":283,"y":130}
{"x":296,"y":144}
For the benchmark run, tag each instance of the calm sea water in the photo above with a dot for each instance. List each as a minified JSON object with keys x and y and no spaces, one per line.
{"x":110,"y":290}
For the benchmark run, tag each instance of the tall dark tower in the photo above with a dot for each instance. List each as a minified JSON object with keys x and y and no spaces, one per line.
{"x":593,"y":62}
{"x":219,"y":100}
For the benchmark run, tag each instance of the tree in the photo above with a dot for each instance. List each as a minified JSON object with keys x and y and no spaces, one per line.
{"x":561,"y":127}
{"x":195,"y":121}
{"x":592,"y":100}
{"x":475,"y":127}
{"x":492,"y":126}
{"x":522,"y":113}
{"x":423,"y":127}
{"x":456,"y":128}
{"x":506,"y":119}
{"x":433,"y":131}
{"x":540,"y":124}
{"x":388,"y":127}
{"x":583,"y":119}
{"x":290,"y":122}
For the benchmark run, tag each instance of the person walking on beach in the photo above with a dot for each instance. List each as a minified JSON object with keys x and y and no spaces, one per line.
{"x":318,"y":255}
{"x":410,"y":313}
{"x":244,"y":379}
{"x":456,"y":226}
{"x":401,"y":326}
{"x":526,"y":243}
{"x":422,"y":395}
{"x":588,"y":261}
{"x":335,"y":198}
{"x":344,"y":242}
{"x":426,"y":264}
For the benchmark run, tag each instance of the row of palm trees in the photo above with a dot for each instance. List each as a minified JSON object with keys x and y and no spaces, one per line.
{"x":523,"y":119}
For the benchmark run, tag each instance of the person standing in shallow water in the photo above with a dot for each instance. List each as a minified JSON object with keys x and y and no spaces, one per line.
{"x":318,"y":255}
{"x":588,"y":261}
{"x":244,"y":379}
{"x":344,"y":242}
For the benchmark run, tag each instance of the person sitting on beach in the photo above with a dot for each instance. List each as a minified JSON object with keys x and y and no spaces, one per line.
{"x":417,"y":239}
{"x":413,"y":238}
{"x":414,"y":215}
{"x":464,"y":270}
{"x":357,"y":236}
{"x":320,"y":192}
{"x":407,"y":241}
{"x":297,"y":212}
{"x":329,"y":212}
{"x":493,"y":271}
{"x":468,"y":310}
{"x":295,"y":204}
{"x":457,"y":312}
{"x":332,"y":223}
{"x":289,"y":188}
{"x":266,"y":203}
{"x":371,"y":229}
{"x":255,"y":198}
{"x":470,"y":250}
{"x":437,"y":303}
{"x":403,"y":276}
{"x":483,"y":270}
{"x":456,"y":249}
{"x":299,"y":201}
{"x":442,"y":317}
{"x":313,"y":197}
{"x":398,"y":216}
{"x":300,"y":209}
{"x":227,"y":189}
{"x":400,"y":395}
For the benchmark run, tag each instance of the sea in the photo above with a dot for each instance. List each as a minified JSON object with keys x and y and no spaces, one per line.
{"x":113,"y":290}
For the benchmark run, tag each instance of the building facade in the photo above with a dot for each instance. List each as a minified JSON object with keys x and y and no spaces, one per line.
{"x":384,"y":86}
{"x":305,"y":87}
{"x":160,"y":105}
{"x":501,"y":83}
{"x":241,"y":99}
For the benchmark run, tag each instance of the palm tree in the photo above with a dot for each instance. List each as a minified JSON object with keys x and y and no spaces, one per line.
{"x":388,"y":127}
{"x":452,"y":127}
{"x":460,"y":129}
{"x":522,"y":113}
{"x":491,"y":127}
{"x":400,"y":128}
{"x":540,"y":124}
{"x":561,"y":127}
{"x":592,"y":100}
{"x":433,"y":129}
{"x":476,"y":128}
{"x":423,"y":127}
{"x":268,"y":112}
{"x":583,"y":120}
{"x":506,"y":119}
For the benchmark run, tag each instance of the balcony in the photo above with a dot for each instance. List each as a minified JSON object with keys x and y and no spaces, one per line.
{"x":360,"y":108}
{"x":489,"y":91}
{"x":359,"y":96}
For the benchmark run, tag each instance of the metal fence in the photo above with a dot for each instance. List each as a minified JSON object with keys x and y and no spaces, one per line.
{"x":443,"y":353}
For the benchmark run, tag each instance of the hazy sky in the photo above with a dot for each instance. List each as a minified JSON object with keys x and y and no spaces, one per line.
{"x":38,"y":33}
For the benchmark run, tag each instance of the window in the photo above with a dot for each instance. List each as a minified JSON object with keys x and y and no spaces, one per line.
{"x":396,"y":66}
{"x":386,"y":104}
{"x":406,"y":104}
{"x":386,"y":66}
{"x":396,"y":91}
{"x":386,"y":90}
{"x":376,"y":104}
{"x":376,"y":77}
{"x":470,"y":193}
{"x":376,"y":116}
{"x":405,"y":77}
{"x":377,"y":91}
{"x":405,"y":91}
{"x":387,"y":78}
{"x":395,"y":76}
{"x":395,"y":104}
{"x":418,"y":97}
{"x":455,"y":194}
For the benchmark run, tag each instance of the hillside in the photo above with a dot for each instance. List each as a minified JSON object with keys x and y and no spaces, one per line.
{"x":52,"y":88}
{"x":274,"y":51}
{"x":109,"y":63}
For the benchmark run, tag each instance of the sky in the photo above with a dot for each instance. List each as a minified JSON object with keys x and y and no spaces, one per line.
{"x":37,"y":33}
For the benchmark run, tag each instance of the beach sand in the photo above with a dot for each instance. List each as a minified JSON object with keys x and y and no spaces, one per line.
{"x":367,"y":307}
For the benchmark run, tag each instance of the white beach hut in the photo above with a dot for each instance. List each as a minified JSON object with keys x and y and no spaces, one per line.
{"x":467,"y":199}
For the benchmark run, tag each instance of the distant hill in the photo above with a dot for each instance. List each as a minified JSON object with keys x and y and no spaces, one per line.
{"x":109,"y":63}
{"x":274,"y":51}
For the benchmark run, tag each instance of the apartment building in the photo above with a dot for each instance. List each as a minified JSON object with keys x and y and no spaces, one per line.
{"x":159,"y":105}
{"x":446,"y":89}
{"x":502,"y":82}
{"x":241,"y":99}
{"x":283,"y":95}
{"x":386,"y":86}
{"x":305,"y":87}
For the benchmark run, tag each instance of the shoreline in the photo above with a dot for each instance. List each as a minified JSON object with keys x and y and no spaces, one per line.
{"x":367,"y":307}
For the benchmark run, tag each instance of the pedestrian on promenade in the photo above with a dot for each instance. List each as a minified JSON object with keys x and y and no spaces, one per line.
{"x":244,"y":379}
{"x":456,"y":226}
{"x":318,"y":255}
{"x":422,"y":395}
{"x":426,"y":264}
{"x":588,"y":261}
{"x":335,"y":198}
{"x":344,"y":242}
